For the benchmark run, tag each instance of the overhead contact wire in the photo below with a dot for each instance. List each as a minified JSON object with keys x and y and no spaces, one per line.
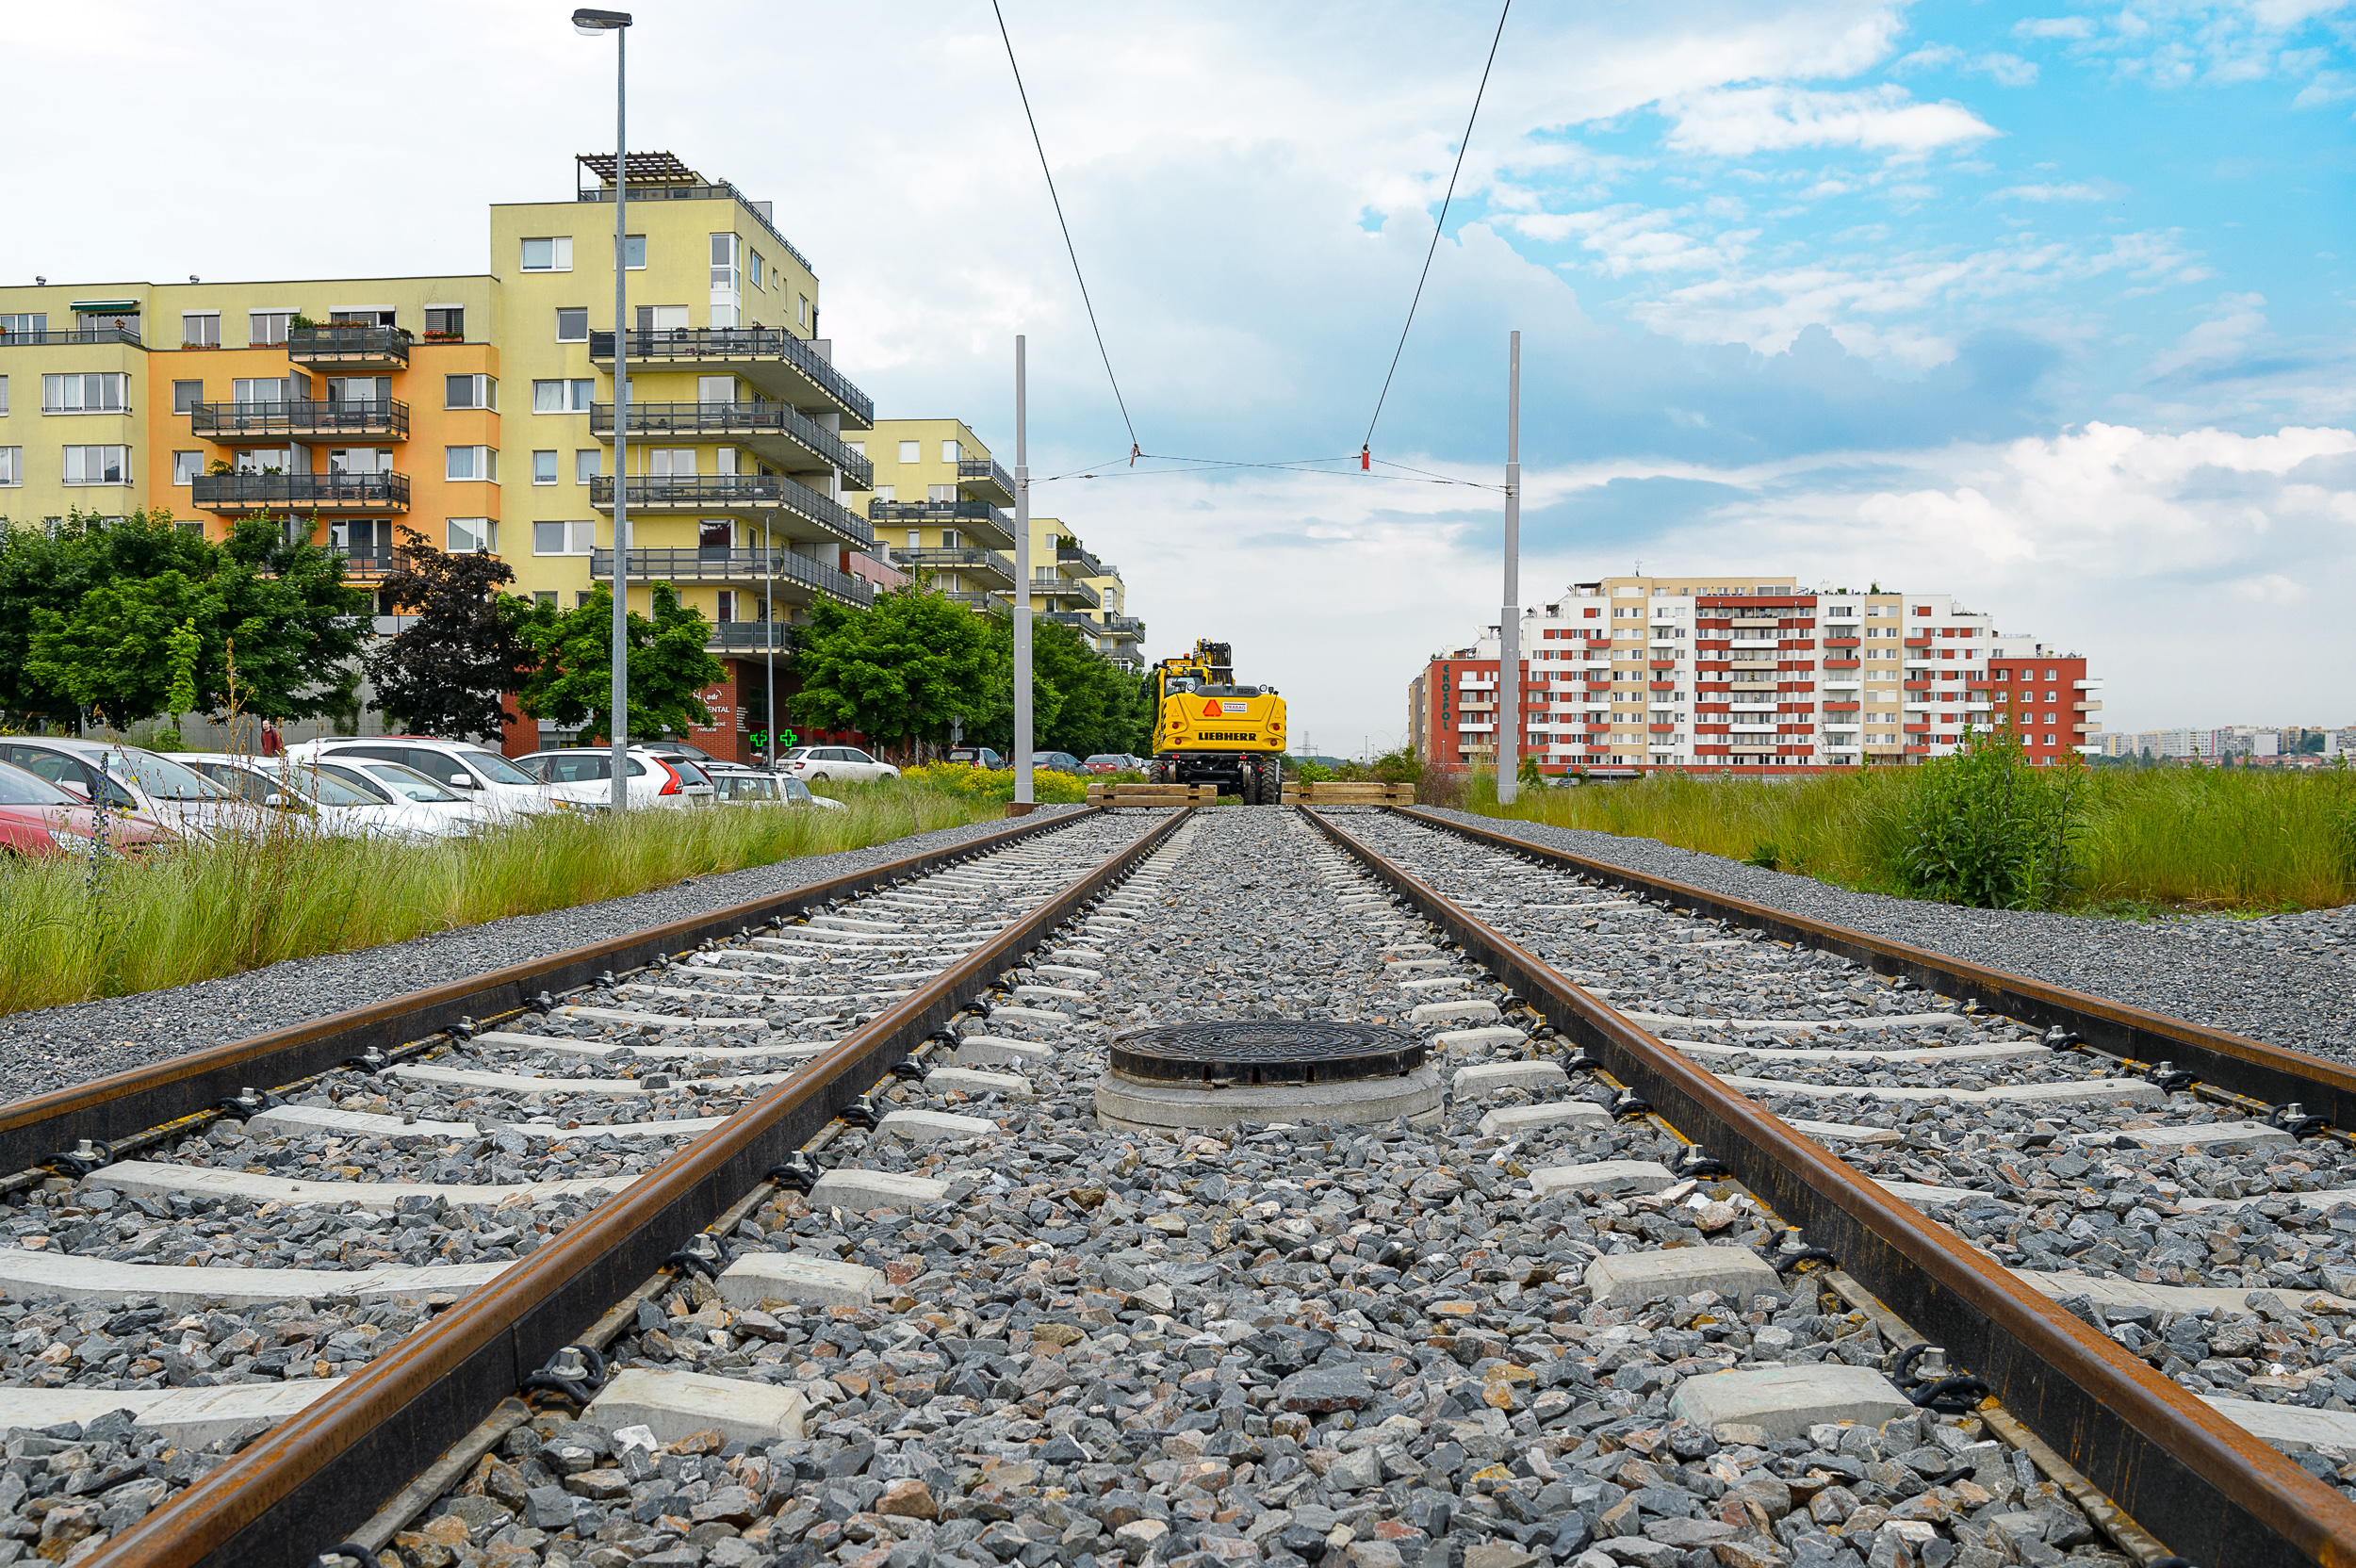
{"x":1069,"y":248}
{"x":1437,"y":229}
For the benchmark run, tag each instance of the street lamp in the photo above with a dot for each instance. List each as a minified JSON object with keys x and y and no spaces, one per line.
{"x":590,"y":24}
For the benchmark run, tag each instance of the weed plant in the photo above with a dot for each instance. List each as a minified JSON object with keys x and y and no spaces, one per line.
{"x":1987,"y":828}
{"x":200,"y":911}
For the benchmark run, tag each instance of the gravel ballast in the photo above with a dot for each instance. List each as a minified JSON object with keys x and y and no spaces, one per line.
{"x":2289,"y":980}
{"x":57,"y":1047}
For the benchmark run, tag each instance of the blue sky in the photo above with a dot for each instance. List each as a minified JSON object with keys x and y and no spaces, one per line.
{"x":2044,"y":305}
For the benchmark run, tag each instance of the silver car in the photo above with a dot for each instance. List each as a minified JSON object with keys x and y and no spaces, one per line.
{"x":128,"y":778}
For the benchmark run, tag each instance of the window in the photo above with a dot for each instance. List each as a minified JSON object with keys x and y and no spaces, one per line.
{"x":887,"y":492}
{"x":858,"y":449}
{"x":444,"y":322}
{"x":360,"y":460}
{"x":948,"y":451}
{"x":186,"y":466}
{"x":95,"y":392}
{"x":545,"y":595}
{"x":200,"y":328}
{"x":270,"y":390}
{"x":582,"y":596}
{"x":471,"y":392}
{"x":185,"y":395}
{"x":916,"y":539}
{"x":588,"y":463}
{"x":473,"y":533}
{"x":563,"y":538}
{"x":572,"y":326}
{"x":949,"y":540}
{"x":96,"y":465}
{"x":941,"y":492}
{"x":37,"y":321}
{"x":477,"y":462}
{"x":801,"y":309}
{"x":563,"y":396}
{"x":264,"y":328}
{"x":548,"y":256}
{"x":911,"y":452}
{"x":759,"y":268}
{"x":633,"y":253}
{"x":4,"y":394}
{"x":543,"y":467}
{"x":727,"y":605}
{"x":11,"y":464}
{"x":724,"y":261}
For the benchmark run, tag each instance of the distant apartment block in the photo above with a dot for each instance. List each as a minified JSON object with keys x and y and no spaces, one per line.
{"x":1629,"y":673}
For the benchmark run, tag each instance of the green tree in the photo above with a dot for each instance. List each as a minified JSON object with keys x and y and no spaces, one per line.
{"x":900,"y":671}
{"x":1080,"y":702}
{"x":100,"y":636}
{"x":573,"y":681}
{"x":445,"y":673}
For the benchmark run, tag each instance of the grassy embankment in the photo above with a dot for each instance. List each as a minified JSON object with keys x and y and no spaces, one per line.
{"x":208,"y":910}
{"x":2141,"y":841}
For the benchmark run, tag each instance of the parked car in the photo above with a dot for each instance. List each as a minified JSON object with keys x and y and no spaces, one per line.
{"x":299,"y":790}
{"x":39,"y":820}
{"x":1058,"y":761}
{"x":396,"y":785}
{"x":735,"y":782}
{"x":128,"y":778}
{"x":814,"y":762}
{"x":678,"y":748}
{"x":474,"y":771}
{"x":1110,"y":761}
{"x":583,"y":775}
{"x":978,"y":756}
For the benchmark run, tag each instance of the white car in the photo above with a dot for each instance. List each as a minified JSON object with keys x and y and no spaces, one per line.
{"x":810,"y":763}
{"x":736,"y":782}
{"x":329,"y":804}
{"x":584,"y":776}
{"x":127,"y":778}
{"x":394,"y":785}
{"x":476,"y":772}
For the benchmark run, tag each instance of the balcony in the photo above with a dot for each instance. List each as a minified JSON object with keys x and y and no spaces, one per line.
{"x":385,"y":491}
{"x":749,"y":636}
{"x":1843,"y":708}
{"x":368,"y":561}
{"x":986,"y":479}
{"x":1918,"y":642}
{"x":1837,"y":641}
{"x":991,"y":527}
{"x":1065,"y":588}
{"x":772,"y":358}
{"x":780,"y":436}
{"x":1069,"y":555}
{"x":986,"y":565}
{"x":1126,"y":628}
{"x":303,"y":419}
{"x":1843,"y":663}
{"x":797,"y":511}
{"x":360,"y":348}
{"x":983,"y":604}
{"x":128,"y":337}
{"x":744,"y":568}
{"x":1918,"y":685}
{"x":1085,"y":625}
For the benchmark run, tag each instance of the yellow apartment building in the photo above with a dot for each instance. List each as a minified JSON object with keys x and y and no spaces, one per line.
{"x":479,"y":410}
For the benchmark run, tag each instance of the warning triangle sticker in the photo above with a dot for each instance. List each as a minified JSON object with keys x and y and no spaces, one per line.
{"x":1210,"y":710}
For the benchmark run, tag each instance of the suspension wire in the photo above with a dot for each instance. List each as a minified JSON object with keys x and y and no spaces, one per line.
{"x":1069,"y":248}
{"x":1437,"y":229}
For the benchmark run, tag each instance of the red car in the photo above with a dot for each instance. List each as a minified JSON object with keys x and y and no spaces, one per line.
{"x":39,"y":819}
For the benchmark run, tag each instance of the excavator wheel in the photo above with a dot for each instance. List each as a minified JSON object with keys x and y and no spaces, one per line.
{"x":1272,"y":780}
{"x":1251,"y":783}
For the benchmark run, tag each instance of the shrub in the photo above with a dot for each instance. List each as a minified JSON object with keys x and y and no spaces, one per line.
{"x":1047,"y":788}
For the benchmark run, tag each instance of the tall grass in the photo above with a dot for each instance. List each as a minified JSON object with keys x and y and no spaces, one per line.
{"x":2239,"y":840}
{"x":208,"y":910}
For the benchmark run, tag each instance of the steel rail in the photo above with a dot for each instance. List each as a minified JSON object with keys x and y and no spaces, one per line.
{"x":2246,"y":1067}
{"x":2212,"y":1492}
{"x":128,"y":1103}
{"x":323,"y":1472}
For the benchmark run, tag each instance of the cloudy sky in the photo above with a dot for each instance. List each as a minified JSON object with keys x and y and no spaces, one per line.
{"x":2043,"y":306}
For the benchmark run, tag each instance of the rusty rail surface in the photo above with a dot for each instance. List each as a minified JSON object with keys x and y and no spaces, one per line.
{"x":291,"y":1491}
{"x":2211,"y":1491}
{"x":2213,"y":1056}
{"x":126,"y":1103}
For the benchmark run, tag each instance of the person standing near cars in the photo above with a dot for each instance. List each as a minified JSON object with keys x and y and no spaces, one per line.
{"x":273,"y":743}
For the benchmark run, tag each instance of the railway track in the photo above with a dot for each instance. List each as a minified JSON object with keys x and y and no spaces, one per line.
{"x":666,"y":1264}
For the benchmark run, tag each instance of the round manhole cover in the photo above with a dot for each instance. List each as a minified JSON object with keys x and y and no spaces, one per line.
{"x":1275,"y":1052}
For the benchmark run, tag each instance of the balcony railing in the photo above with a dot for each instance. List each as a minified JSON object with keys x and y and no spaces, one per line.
{"x":940,"y":559}
{"x":1129,"y":628}
{"x":978,"y":471}
{"x":738,"y":344}
{"x":733,"y":565}
{"x":988,"y":604}
{"x":718,"y":420}
{"x":1065,"y":588}
{"x":1088,"y":564}
{"x":129,"y":335}
{"x":381,"y":418}
{"x":738,"y":492}
{"x":1085,"y":625}
{"x":749,"y":636}
{"x":347,"y":345}
{"x":960,"y":515}
{"x":386,"y":492}
{"x":369,"y":560}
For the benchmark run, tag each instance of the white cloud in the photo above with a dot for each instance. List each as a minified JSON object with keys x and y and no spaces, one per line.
{"x":2328,"y":87}
{"x":2053,"y":193}
{"x":2054,"y":26}
{"x":2240,"y":320}
{"x":1739,"y":121}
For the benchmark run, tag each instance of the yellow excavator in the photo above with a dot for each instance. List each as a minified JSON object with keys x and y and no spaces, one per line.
{"x":1209,"y":730}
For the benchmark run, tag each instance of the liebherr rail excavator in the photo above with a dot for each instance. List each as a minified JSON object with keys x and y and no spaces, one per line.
{"x":1209,"y":730}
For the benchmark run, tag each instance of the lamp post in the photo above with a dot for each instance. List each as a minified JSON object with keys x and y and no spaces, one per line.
{"x":590,"y":24}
